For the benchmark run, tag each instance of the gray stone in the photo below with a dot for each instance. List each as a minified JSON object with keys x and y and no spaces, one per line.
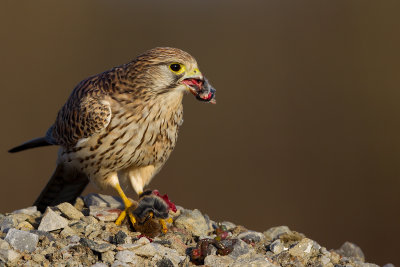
{"x":21,"y":240}
{"x":274,"y":232}
{"x":277,"y":247}
{"x":125,"y":256}
{"x":39,"y":258}
{"x":52,"y":221}
{"x":31,"y":211}
{"x":168,"y":253}
{"x":240,"y":248}
{"x":388,"y":265}
{"x":99,"y":264}
{"x":302,"y":249}
{"x":351,"y":250}
{"x":118,"y":263}
{"x":369,"y":265}
{"x":193,"y":221}
{"x":103,"y":201}
{"x":254,"y":261}
{"x":43,"y":233}
{"x":7,"y":223}
{"x":70,"y":211}
{"x":9,"y":255}
{"x":251,"y":236}
{"x":164,"y":262}
{"x":67,"y":231}
{"x":104,"y":214}
{"x":4,"y":244}
{"x":229,"y":225}
{"x":108,"y":257}
{"x":217,"y":261}
{"x":73,"y":239}
{"x":147,"y":250}
{"x":98,"y":247}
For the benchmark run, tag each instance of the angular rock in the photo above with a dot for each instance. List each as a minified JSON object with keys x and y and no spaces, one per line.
{"x":98,"y":247}
{"x":217,"y":261}
{"x":9,"y":255}
{"x":31,"y":211}
{"x":251,"y":237}
{"x":103,"y":201}
{"x":4,"y":244}
{"x":274,"y":232}
{"x":99,"y":264}
{"x":240,"y":248}
{"x":125,"y":256}
{"x":257,"y":261}
{"x":118,"y":263}
{"x":104,"y":214}
{"x":70,"y":211}
{"x":21,"y":240}
{"x":193,"y":221}
{"x":52,"y":221}
{"x":229,"y":225}
{"x":67,"y":231}
{"x":146,"y":251}
{"x":7,"y":223}
{"x":277,"y":247}
{"x":108,"y":257}
{"x":302,"y":249}
{"x":351,"y":250}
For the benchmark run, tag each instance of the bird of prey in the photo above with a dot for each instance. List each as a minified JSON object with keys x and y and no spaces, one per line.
{"x":120,"y":126}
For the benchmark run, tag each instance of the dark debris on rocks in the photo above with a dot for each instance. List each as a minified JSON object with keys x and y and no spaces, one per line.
{"x":84,"y":234}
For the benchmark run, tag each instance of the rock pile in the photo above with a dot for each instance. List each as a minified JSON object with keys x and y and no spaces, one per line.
{"x":84,"y":234}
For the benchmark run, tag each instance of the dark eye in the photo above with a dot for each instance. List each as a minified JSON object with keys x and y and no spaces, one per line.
{"x":175,"y":67}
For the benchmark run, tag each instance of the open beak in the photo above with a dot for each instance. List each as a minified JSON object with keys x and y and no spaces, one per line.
{"x":199,"y":86}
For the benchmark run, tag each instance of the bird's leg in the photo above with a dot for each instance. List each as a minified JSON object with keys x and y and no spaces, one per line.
{"x":127,"y":204}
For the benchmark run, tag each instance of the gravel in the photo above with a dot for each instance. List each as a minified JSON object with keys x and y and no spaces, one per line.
{"x":85,"y":234}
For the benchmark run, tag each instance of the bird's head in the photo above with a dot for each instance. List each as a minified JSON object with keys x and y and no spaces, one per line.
{"x":171,"y":70}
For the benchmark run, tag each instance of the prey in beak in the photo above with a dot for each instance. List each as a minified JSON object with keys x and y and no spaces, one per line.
{"x":200,"y":87}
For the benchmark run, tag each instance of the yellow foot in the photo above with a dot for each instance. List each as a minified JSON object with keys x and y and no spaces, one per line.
{"x":122,"y":216}
{"x":163,"y":223}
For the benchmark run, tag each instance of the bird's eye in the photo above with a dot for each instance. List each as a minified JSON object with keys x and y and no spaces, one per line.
{"x":177,"y":68}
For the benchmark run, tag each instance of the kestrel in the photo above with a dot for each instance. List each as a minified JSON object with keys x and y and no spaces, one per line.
{"x":120,"y":125}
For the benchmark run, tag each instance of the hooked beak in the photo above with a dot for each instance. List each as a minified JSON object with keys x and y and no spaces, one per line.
{"x":199,"y":86}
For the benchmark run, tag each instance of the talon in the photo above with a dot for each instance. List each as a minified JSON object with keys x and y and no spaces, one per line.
{"x":164,"y":227}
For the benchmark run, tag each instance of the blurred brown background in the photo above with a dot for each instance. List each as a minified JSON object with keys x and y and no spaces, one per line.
{"x":306,"y":130}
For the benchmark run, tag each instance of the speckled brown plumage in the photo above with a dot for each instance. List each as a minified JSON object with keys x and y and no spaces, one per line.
{"x":122,"y":123}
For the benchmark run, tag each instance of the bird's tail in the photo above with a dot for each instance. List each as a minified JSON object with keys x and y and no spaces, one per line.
{"x":37,"y":142}
{"x":65,"y":185}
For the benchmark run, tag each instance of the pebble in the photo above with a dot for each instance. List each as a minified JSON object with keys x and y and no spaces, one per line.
{"x":4,"y":244}
{"x":302,"y":249}
{"x":52,"y":221}
{"x":98,"y":247}
{"x":104,"y":214}
{"x":217,"y":261}
{"x":7,"y":222}
{"x":251,"y":236}
{"x":104,"y":201}
{"x":32,"y":211}
{"x":125,"y":256}
{"x":351,"y":250}
{"x":21,"y":240}
{"x":274,"y":232}
{"x":229,"y":225}
{"x":240,"y":248}
{"x":70,"y":211}
{"x":69,"y":236}
{"x":99,"y":264}
{"x":193,"y":221}
{"x":9,"y":255}
{"x":277,"y":247}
